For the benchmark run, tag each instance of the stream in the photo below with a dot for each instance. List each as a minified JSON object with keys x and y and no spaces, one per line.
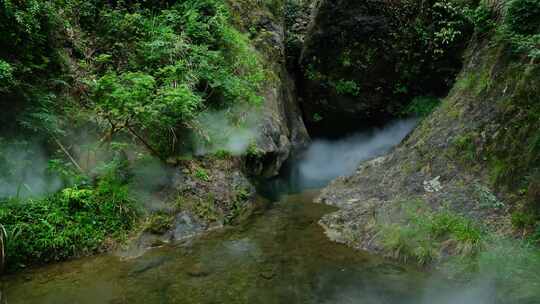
{"x":280,"y":256}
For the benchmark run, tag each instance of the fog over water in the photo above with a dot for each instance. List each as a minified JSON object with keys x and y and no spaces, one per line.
{"x":325,"y":160}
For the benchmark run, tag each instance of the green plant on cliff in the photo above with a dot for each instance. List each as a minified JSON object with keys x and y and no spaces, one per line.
{"x":349,"y":87}
{"x":522,"y":16}
{"x":422,"y":106}
{"x":184,"y":59}
{"x":132,"y":72}
{"x":483,"y":18}
{"x":425,"y":235}
{"x":521,"y":27}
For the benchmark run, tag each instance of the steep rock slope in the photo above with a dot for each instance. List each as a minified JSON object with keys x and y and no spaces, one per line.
{"x":282,"y":128}
{"x":476,"y":155}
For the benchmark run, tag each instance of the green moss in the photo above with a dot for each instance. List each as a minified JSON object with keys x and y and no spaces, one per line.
{"x":464,"y":147}
{"x":159,"y":223}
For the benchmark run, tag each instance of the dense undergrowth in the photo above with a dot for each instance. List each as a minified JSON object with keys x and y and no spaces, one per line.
{"x":75,"y":221}
{"x":82,"y":81}
{"x":138,"y":68}
{"x":376,"y":65}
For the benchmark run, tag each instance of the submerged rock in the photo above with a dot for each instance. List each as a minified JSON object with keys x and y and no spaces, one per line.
{"x":187,"y":226}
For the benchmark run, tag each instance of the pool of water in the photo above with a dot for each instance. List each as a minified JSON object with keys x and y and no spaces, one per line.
{"x":280,"y":257}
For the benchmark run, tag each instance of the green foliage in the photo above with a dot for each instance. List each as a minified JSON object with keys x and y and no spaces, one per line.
{"x":344,"y":87}
{"x":145,"y":67}
{"x":238,"y":208}
{"x":6,"y":76}
{"x":520,"y":26}
{"x":486,"y":198}
{"x":522,"y":219}
{"x":206,"y":209}
{"x":30,"y":58}
{"x":317,"y":117}
{"x":222,"y":154}
{"x":522,"y":16}
{"x":426,"y":234}
{"x":202,"y":174}
{"x":253,"y":150}
{"x":180,"y":61}
{"x":71,"y":222}
{"x":422,"y":106}
{"x":525,"y":44}
{"x":483,"y":19}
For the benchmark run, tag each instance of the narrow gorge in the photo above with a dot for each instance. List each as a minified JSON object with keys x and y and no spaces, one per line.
{"x":273,"y":151}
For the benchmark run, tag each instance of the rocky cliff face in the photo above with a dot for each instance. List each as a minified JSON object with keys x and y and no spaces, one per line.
{"x":282,"y":128}
{"x":477,"y":154}
{"x":362,"y":61}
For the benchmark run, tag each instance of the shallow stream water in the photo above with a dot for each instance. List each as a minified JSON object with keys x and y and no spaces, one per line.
{"x":280,"y":257}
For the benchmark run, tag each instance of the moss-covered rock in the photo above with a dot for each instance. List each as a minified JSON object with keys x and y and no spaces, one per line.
{"x":282,"y":130}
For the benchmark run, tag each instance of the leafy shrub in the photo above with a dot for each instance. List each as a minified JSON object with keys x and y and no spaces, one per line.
{"x":30,"y":62}
{"x":346,"y":87}
{"x":159,"y":223}
{"x":6,"y":75}
{"x":522,"y":27}
{"x":522,"y":16}
{"x":482,"y":18}
{"x":202,"y":174}
{"x":180,"y":61}
{"x":71,"y":222}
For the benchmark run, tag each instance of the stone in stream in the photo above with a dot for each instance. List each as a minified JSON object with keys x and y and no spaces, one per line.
{"x":186,"y":226}
{"x":147,"y":264}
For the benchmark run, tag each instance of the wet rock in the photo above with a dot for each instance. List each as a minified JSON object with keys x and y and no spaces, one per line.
{"x":145,"y":264}
{"x":281,"y":129}
{"x":186,"y":226}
